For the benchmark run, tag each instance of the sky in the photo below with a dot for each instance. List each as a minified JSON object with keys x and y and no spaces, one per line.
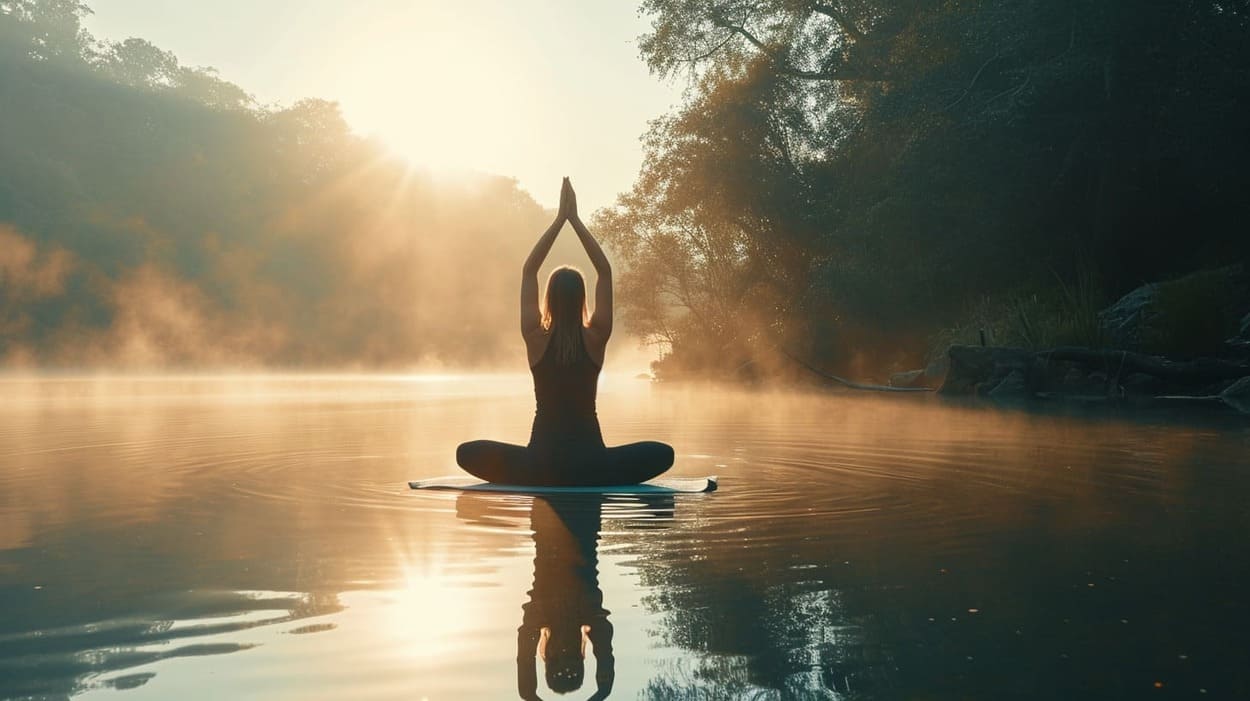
{"x":533,"y":89}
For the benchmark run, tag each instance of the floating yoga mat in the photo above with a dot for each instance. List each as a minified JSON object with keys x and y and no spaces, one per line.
{"x":660,"y":485}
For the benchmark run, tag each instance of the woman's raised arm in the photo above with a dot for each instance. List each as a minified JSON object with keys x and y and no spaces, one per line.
{"x":601,"y":319}
{"x":531,"y":316}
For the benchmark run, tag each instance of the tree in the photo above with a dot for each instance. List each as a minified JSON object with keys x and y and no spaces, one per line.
{"x":151,"y":214}
{"x":46,"y":30}
{"x":139,"y":64}
{"x":888,"y":162}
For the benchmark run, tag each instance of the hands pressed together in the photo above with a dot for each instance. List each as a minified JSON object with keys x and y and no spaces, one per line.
{"x":568,"y":202}
{"x":601,"y":319}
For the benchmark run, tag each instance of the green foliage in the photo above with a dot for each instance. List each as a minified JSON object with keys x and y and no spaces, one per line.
{"x":1194,"y":314}
{"x":881,"y":166}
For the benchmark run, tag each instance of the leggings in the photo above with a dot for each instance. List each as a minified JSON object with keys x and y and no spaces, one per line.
{"x":588,"y":465}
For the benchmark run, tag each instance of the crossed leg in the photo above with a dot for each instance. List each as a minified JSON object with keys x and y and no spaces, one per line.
{"x":631,"y":463}
{"x":508,"y":463}
{"x":494,"y":461}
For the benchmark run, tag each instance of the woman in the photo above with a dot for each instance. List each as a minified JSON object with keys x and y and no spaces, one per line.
{"x":566,"y":349}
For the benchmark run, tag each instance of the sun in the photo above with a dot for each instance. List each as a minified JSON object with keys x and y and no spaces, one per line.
{"x":416,"y":81}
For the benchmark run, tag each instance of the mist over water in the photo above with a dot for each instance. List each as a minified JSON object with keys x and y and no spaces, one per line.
{"x":154,"y":217}
{"x":253,"y":537}
{"x":848,"y":186}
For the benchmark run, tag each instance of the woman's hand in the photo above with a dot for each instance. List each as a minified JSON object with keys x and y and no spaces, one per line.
{"x":568,"y":201}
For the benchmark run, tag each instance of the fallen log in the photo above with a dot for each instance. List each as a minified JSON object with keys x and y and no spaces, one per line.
{"x":850,"y":383}
{"x":1191,"y":371}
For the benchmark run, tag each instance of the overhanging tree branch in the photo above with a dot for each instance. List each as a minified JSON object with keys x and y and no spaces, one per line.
{"x":781,"y":65}
{"x":840,"y":18}
{"x":708,"y":54}
{"x":745,"y":34}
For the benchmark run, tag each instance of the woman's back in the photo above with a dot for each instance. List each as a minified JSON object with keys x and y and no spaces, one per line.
{"x":566,"y":427}
{"x":565,"y":392}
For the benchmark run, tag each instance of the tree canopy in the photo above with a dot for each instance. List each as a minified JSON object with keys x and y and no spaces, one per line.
{"x":847,"y":177}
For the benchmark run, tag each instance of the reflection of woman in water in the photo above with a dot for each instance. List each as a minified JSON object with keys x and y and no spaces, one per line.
{"x":566,"y":349}
{"x":565,"y":610}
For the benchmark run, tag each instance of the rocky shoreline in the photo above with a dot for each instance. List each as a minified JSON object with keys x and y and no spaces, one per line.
{"x":1127,"y":372}
{"x":1092,"y":375}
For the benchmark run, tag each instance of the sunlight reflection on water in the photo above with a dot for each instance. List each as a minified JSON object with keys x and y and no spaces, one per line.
{"x":253,"y":537}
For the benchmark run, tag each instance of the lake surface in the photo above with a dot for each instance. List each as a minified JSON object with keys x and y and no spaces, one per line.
{"x":254,"y":538}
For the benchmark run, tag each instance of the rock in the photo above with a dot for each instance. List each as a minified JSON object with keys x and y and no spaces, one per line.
{"x":1237,"y":395}
{"x":977,"y":370}
{"x":1073,"y":379}
{"x":1190,"y":316}
{"x":1124,"y":321}
{"x":1072,"y":372}
{"x":1077,"y":380}
{"x":1240,"y":388}
{"x":1141,"y":384}
{"x":910,"y":378}
{"x":936,"y":370}
{"x":1242,"y":340}
{"x":1013,"y":386}
{"x":1240,"y":344}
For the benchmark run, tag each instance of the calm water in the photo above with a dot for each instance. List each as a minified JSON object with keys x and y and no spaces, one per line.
{"x":253,"y":538}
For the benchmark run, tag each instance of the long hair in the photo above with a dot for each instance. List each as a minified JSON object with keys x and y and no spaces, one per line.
{"x":564,"y":314}
{"x":564,"y":657}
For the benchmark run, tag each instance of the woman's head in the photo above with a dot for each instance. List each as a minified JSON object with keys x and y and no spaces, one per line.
{"x":564,"y":312}
{"x":563,"y":650}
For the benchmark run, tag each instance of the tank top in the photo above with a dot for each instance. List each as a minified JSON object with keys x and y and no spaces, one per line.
{"x":564,"y":398}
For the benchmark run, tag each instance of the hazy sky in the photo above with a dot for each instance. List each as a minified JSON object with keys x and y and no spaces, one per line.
{"x":535,"y":89}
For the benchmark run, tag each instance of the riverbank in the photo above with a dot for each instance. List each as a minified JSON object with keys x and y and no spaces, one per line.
{"x":1094,"y":375}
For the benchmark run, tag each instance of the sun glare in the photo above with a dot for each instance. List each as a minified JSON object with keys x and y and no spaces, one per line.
{"x":435,"y":609}
{"x":434,"y":99}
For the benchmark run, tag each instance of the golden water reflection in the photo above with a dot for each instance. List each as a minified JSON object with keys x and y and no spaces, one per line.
{"x":254,"y":538}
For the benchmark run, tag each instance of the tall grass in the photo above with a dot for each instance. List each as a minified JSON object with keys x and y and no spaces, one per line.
{"x":1043,"y":316}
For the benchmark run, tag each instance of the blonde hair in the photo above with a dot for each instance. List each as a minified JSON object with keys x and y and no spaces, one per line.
{"x":564,"y":314}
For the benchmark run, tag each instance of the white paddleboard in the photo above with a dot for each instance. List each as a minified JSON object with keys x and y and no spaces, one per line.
{"x":659,"y":485}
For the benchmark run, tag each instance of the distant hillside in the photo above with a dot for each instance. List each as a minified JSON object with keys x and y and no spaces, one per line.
{"x":153,"y":215}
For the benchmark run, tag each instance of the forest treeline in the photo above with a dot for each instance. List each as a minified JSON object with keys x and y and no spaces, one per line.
{"x":852,"y":179}
{"x":156,"y":215}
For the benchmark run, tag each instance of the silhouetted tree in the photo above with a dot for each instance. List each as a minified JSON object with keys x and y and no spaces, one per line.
{"x":885,"y":163}
{"x":153,"y":214}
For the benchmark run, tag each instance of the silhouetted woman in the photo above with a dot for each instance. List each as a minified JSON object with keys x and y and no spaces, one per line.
{"x":566,"y":349}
